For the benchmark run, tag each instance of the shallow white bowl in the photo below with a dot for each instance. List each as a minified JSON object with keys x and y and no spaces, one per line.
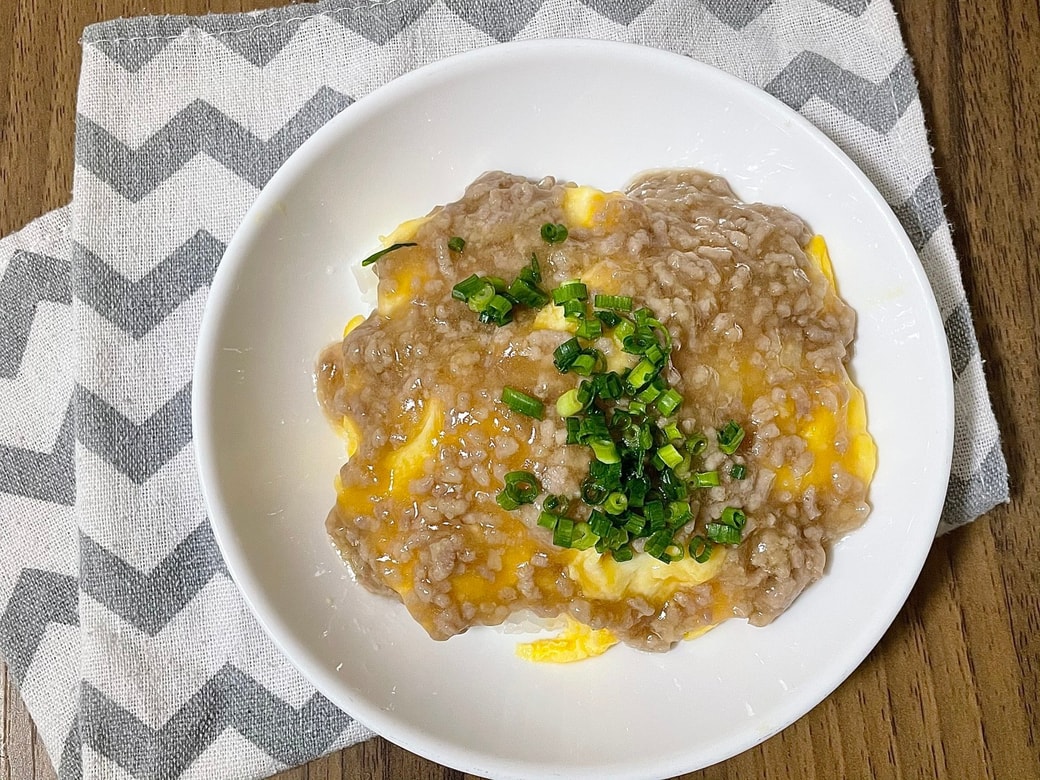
{"x":596,"y":113}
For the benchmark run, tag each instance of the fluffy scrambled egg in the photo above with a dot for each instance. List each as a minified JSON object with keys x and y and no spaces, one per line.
{"x":601,"y":577}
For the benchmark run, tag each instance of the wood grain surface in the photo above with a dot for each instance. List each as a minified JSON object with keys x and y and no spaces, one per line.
{"x":952,"y":689}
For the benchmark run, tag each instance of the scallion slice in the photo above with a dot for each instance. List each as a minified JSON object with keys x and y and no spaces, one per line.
{"x":706,"y":479}
{"x":568,"y":405}
{"x":616,"y":503}
{"x":720,"y":533}
{"x":565,"y":354}
{"x":700,"y":549}
{"x":669,"y":401}
{"x":563,"y":533}
{"x":738,"y":471}
{"x":392,"y":248}
{"x":582,"y":537}
{"x":554,"y":233}
{"x":573,"y":290}
{"x":734,"y":517}
{"x":615,"y":302}
{"x":456,"y":243}
{"x":523,"y":403}
{"x":730,"y":437}
{"x":669,"y":455}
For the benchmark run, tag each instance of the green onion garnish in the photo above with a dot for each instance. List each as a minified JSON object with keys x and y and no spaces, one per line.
{"x":589,"y":329}
{"x":563,"y":533}
{"x":568,"y":405}
{"x":700,"y":549}
{"x":565,"y":354}
{"x":696,"y":443}
{"x":738,"y":471}
{"x":730,"y":437}
{"x":669,"y":455}
{"x":608,"y":318}
{"x":573,"y":290}
{"x":706,"y":479}
{"x":615,"y":302}
{"x":616,"y":503}
{"x":392,"y":248}
{"x":554,"y":233}
{"x":456,"y":243}
{"x":605,"y":451}
{"x":669,"y":401}
{"x":733,"y":517}
{"x":720,"y":533}
{"x":523,"y":403}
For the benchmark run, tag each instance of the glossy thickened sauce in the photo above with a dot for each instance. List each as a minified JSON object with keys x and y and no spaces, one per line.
{"x":759,"y":336}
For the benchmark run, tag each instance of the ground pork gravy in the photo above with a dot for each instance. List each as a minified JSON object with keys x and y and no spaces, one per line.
{"x":759,"y":336}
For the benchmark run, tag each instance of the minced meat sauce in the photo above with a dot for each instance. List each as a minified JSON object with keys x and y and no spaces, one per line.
{"x":758,"y":336}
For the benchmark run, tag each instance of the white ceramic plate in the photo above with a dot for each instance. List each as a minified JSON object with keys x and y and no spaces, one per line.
{"x":595,"y":113}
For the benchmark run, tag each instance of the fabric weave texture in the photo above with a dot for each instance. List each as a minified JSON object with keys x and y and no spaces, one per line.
{"x":133,"y":649}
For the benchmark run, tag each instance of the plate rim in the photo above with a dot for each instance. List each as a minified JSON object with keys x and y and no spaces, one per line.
{"x":234,"y":256}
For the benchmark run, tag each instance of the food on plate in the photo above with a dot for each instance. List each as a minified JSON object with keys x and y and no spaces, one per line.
{"x":628,"y":409}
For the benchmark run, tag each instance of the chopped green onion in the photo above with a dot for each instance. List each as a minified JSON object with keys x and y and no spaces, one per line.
{"x":554,"y":233}
{"x":568,"y":404}
{"x":722,"y":534}
{"x":669,"y":455}
{"x":563,"y":533}
{"x":499,"y":310}
{"x":622,"y":554}
{"x":523,"y":403}
{"x":589,"y":329}
{"x":616,"y":503}
{"x":609,"y":386}
{"x":532,"y":272}
{"x":657,"y":544}
{"x":623,"y":330}
{"x":605,"y":451}
{"x":465,"y":289}
{"x":705,"y":479}
{"x":638,"y":487}
{"x":480,"y":299}
{"x":615,"y":302}
{"x":456,"y":243}
{"x":582,"y":537}
{"x":696,"y":443}
{"x":634,"y":524}
{"x":672,"y":432}
{"x":730,"y":437}
{"x":599,"y":523}
{"x":738,"y":471}
{"x":584,"y":364}
{"x":608,"y":318}
{"x":669,"y":401}
{"x":674,"y":552}
{"x":636,"y":407}
{"x":392,"y":248}
{"x":573,"y":428}
{"x":553,"y":502}
{"x":734,"y":517}
{"x":654,"y":514}
{"x":548,"y":520}
{"x":640,"y":376}
{"x":524,"y":485}
{"x":592,"y":493}
{"x":573,"y":290}
{"x":527,"y":293}
{"x":507,"y":501}
{"x":565,"y":354}
{"x":700,"y":549}
{"x":574,"y":311}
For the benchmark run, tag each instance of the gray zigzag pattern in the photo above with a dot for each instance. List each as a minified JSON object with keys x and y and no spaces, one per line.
{"x":738,"y":14}
{"x":150,"y":601}
{"x":138,"y":451}
{"x":230,"y":699}
{"x":922,"y":213}
{"x":137,"y":307}
{"x":199,"y":128}
{"x":39,"y":598}
{"x":380,"y":23}
{"x":70,"y":765}
{"x":960,"y":335}
{"x":969,"y":497}
{"x":30,"y":280}
{"x":44,"y":476}
{"x":878,"y":106}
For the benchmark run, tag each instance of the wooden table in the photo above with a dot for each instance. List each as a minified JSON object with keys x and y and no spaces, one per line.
{"x":952,"y":689}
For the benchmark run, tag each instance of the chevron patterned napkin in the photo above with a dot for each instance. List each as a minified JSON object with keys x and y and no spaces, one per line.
{"x":134,"y":651}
